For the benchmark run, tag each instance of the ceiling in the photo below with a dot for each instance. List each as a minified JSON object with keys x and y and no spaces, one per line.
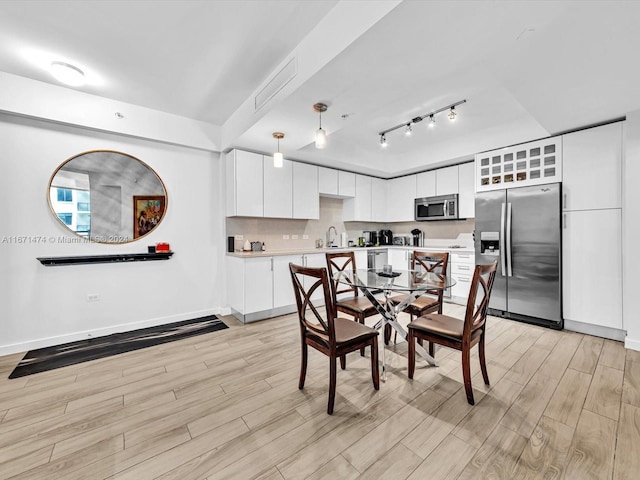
{"x":527,"y":69}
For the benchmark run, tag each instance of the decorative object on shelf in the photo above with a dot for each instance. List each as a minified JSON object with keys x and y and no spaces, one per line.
{"x":321,"y":135}
{"x":151,"y":249}
{"x":148,"y":210}
{"x":432,"y":122}
{"x":256,"y":246}
{"x":110,"y":258}
{"x":162,"y":247}
{"x":99,"y":184}
{"x":278,"y":159}
{"x":247,"y":246}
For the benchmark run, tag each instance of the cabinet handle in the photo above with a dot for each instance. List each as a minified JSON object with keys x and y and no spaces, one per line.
{"x":564,"y":201}
{"x":272,"y":264}
{"x":463,"y":267}
{"x":463,"y":256}
{"x":564,"y":221}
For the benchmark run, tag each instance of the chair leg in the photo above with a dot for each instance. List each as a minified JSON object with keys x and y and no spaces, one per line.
{"x":303,"y":366}
{"x":332,"y":384}
{"x":483,"y":364}
{"x":411,"y":353}
{"x":361,"y":320}
{"x":343,"y":362}
{"x":432,"y":349}
{"x":387,"y":333}
{"x":466,"y":375}
{"x":375,"y":369}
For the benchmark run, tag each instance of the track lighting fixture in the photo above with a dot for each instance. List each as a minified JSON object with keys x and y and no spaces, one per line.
{"x":452,"y":113}
{"x":278,"y":159}
{"x":321,"y":135}
{"x":432,"y":121}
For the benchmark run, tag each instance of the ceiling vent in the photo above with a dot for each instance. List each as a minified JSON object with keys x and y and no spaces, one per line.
{"x":276,"y":83}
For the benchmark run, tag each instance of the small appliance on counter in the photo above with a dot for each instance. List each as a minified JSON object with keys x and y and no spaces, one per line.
{"x":418,"y":237}
{"x":386,"y":237}
{"x":400,"y":240}
{"x":371,"y":238}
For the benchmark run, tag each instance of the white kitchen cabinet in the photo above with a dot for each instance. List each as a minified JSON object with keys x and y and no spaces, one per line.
{"x":466,"y":190}
{"x":592,"y":168}
{"x":361,"y":259}
{"x":282,"y":285}
{"x":592,"y":269}
{"x":426,"y":184}
{"x":336,"y":183}
{"x":327,"y":181}
{"x":278,"y":189}
{"x":462,"y":266}
{"x":447,"y":180}
{"x":250,"y":283}
{"x":401,"y":195}
{"x":379,"y":200}
{"x":399,"y":258}
{"x":359,"y":208}
{"x":244,"y":175}
{"x":306,"y":200}
{"x":346,"y":184}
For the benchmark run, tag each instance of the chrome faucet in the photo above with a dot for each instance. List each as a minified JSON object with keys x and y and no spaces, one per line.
{"x":329,"y":239}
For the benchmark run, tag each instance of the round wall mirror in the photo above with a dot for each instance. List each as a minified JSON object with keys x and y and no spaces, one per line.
{"x":107,"y":196}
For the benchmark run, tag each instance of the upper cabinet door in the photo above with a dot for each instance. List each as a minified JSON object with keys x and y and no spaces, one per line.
{"x":379,"y":200}
{"x":306,"y":201}
{"x":245,"y":176}
{"x":401,"y":195}
{"x":592,"y":168}
{"x":327,"y":181}
{"x":447,"y":180}
{"x":358,"y":209}
{"x":426,"y":184}
{"x":278,"y":189}
{"x":346,"y":184}
{"x":466,"y":190}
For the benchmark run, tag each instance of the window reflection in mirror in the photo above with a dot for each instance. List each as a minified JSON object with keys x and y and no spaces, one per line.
{"x":94,"y":195}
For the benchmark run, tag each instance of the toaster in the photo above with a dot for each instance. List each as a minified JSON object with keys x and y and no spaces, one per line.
{"x":400,"y":240}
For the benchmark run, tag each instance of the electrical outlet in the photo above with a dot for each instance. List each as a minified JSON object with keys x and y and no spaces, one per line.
{"x":93,"y":297}
{"x":285,"y":237}
{"x":294,"y":237}
{"x":305,"y":237}
{"x":238,"y":237}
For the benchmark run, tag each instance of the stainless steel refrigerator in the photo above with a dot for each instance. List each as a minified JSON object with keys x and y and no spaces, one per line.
{"x":520,"y":227}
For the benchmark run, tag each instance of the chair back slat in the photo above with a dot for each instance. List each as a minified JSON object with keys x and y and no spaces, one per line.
{"x":430,"y":262}
{"x":479,"y":297}
{"x":306,"y":281}
{"x":339,"y":262}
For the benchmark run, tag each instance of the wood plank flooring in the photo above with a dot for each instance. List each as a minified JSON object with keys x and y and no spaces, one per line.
{"x":225,"y":405}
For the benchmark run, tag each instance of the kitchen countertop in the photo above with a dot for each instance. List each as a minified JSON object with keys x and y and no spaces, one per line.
{"x":435,"y":246}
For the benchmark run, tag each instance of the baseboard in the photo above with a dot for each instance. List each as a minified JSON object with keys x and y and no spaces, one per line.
{"x":596,"y":330}
{"x":101,"y":332}
{"x":263,"y":315}
{"x":632,"y":344}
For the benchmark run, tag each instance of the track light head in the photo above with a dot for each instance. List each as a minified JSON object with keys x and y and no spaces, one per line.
{"x":432,"y":121}
{"x":383,"y":141}
{"x":408,"y":129}
{"x":452,"y":114}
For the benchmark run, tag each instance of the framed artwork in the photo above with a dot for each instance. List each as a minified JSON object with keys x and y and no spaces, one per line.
{"x":147,"y":213}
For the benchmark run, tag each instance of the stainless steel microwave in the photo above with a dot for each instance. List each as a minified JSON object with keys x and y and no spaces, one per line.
{"x":443,"y":207}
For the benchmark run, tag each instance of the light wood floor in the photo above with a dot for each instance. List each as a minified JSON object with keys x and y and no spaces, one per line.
{"x":226,"y":405}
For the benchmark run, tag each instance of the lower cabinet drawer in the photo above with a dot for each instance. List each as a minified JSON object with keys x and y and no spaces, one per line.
{"x":462,"y":286}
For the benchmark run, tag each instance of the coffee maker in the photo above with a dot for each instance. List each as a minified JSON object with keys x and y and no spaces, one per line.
{"x":386,"y":237}
{"x":371,"y":238}
{"x":418,"y":237}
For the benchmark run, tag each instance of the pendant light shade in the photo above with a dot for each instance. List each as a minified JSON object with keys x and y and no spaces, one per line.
{"x":321,"y":135}
{"x":278,"y":158}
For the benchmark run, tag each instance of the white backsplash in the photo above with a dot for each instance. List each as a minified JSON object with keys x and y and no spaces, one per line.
{"x":270,"y":231}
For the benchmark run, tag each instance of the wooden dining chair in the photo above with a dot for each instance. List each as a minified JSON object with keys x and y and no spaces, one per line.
{"x":321,"y":329}
{"x":431,"y":300}
{"x":346,"y":297}
{"x":459,"y":334}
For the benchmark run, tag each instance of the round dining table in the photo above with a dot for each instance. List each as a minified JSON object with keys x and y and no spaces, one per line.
{"x":412,"y":283}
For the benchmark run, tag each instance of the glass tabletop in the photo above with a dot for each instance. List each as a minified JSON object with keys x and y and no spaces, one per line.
{"x":407,"y":280}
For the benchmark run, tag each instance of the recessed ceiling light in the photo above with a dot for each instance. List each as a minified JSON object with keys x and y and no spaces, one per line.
{"x":67,"y":73}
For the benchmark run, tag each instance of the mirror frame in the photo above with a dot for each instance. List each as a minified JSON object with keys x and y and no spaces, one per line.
{"x":91,"y":239}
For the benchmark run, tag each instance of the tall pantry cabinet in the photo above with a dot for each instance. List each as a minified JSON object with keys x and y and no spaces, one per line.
{"x":591,"y":230}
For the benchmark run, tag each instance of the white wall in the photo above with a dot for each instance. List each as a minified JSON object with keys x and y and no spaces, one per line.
{"x":41,"y":306}
{"x":631,"y":231}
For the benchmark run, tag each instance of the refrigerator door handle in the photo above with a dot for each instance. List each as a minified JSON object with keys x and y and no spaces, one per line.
{"x":503,"y":254}
{"x":508,"y":235}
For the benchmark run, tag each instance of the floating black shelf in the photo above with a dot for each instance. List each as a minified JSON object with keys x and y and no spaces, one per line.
{"x":111,"y":258}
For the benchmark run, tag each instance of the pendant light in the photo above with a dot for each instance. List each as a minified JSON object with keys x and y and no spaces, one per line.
{"x":321,"y":135}
{"x":278,"y":159}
